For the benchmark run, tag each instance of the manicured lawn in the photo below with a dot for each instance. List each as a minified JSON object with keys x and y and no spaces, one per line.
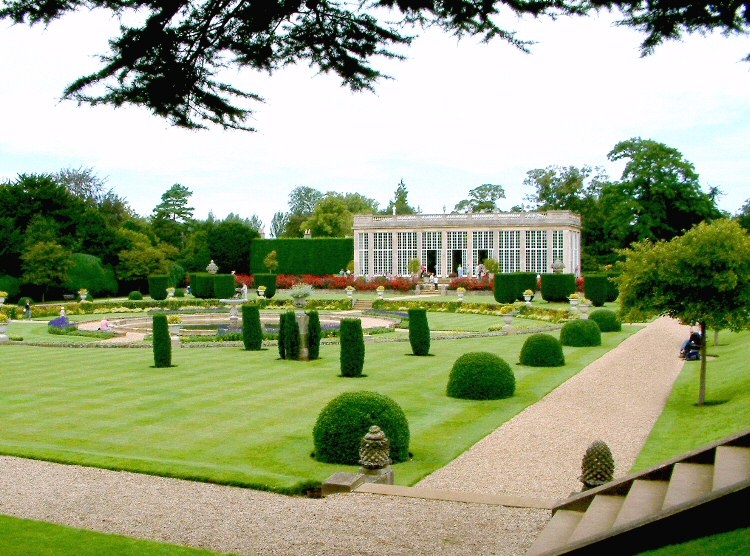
{"x":26,"y":536}
{"x":736,"y":543}
{"x":683,"y":426}
{"x":246,"y":418}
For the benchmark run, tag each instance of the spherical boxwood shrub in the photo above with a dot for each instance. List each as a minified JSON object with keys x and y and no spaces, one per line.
{"x":346,"y":419}
{"x":481,"y":376}
{"x":162,"y":342}
{"x":542,"y":350}
{"x":252,"y":330}
{"x":606,"y":319}
{"x":579,"y":333}
{"x":419,"y":331}
{"x":352,"y":343}
{"x":135,"y":296}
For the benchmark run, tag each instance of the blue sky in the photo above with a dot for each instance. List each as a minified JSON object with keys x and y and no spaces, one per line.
{"x":455,"y":116}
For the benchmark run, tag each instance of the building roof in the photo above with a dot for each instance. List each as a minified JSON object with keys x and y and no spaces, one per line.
{"x":550,"y":218}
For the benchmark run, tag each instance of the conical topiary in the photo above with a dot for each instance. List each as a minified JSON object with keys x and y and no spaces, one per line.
{"x":598,"y":465}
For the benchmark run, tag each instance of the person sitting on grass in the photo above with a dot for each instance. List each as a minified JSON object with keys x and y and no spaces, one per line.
{"x":691,"y":349}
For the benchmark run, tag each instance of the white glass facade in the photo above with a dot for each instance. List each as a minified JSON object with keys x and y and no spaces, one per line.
{"x":407,"y":250}
{"x":509,"y":251}
{"x":382,"y":253}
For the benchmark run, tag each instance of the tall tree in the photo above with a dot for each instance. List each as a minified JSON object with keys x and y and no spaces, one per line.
{"x":173,"y":215}
{"x":229,"y":245}
{"x":279,"y":222}
{"x":743,"y":216}
{"x":481,"y":199}
{"x":701,"y":277}
{"x":400,"y":201}
{"x":45,"y":264}
{"x":169,"y":61}
{"x":89,"y":187}
{"x":331,"y":218}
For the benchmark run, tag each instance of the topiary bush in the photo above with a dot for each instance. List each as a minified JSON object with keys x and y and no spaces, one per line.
{"x":291,"y":336}
{"x":419,"y":331}
{"x":314,"y":333}
{"x":267,"y":280}
{"x":252,"y":329}
{"x":606,"y":319}
{"x":481,"y":376}
{"x":162,"y":342}
{"x":345,"y":420}
{"x":224,"y":286}
{"x":581,"y":333}
{"x":595,"y":287}
{"x":179,"y":292}
{"x":157,"y":286}
{"x":542,"y":350}
{"x":526,"y":281}
{"x":281,"y":342}
{"x":352,"y":348}
{"x":506,"y":287}
{"x":135,"y":296}
{"x":202,"y":285}
{"x":557,"y":287}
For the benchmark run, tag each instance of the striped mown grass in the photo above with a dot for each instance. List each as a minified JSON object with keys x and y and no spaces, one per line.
{"x":237,"y":417}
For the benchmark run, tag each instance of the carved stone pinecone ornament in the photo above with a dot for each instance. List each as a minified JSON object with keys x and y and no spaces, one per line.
{"x":598,"y":465}
{"x":374,"y":449}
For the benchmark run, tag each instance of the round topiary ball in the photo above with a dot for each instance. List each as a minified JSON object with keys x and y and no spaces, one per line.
{"x":481,"y":376}
{"x":581,"y":333}
{"x":606,"y":319}
{"x":135,"y":296}
{"x":542,"y":350}
{"x":346,"y":419}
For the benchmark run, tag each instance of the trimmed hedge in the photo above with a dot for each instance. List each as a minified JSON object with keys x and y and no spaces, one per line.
{"x":595,"y":287}
{"x":267,"y":280}
{"x":162,"y":342}
{"x":314,"y":333}
{"x":419,"y":331}
{"x":581,"y":333}
{"x":613,"y":292}
{"x":526,"y":281}
{"x":557,"y":287}
{"x":157,"y":286}
{"x":347,"y":418}
{"x":506,"y":287}
{"x":291,"y":336}
{"x":481,"y":376}
{"x":224,"y":286}
{"x":282,"y":343}
{"x":606,"y":319}
{"x":252,"y":329}
{"x":542,"y":350}
{"x":202,"y":285}
{"x":352,"y":348}
{"x":317,"y":256}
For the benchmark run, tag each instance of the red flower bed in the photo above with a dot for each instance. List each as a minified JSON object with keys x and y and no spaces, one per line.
{"x":471,"y":283}
{"x":579,"y":284}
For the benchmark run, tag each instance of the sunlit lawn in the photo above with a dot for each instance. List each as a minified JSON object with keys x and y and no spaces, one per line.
{"x":230,"y":416}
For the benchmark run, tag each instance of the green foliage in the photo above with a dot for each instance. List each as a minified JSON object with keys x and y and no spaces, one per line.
{"x":542,"y":350}
{"x":414,"y":266}
{"x":526,"y":281}
{"x":419,"y":331}
{"x":179,"y":292}
{"x":229,"y":244}
{"x":176,"y":274}
{"x":606,"y":319}
{"x":507,"y":287}
{"x":11,"y":285}
{"x":481,"y":376}
{"x":314,"y":332}
{"x":613,"y":291}
{"x":352,"y":347}
{"x":267,"y":280}
{"x":252,"y":329}
{"x":596,"y":287}
{"x":400,"y":201}
{"x":162,"y":342}
{"x":491,"y":265}
{"x":88,"y":271}
{"x":482,"y":199}
{"x":140,"y":257}
{"x":135,"y":296}
{"x":317,"y":256}
{"x":557,"y":287}
{"x":202,"y":285}
{"x":346,"y":419}
{"x":271,"y":262}
{"x":581,"y":333}
{"x":224,"y":286}
{"x":157,"y":286}
{"x":45,"y":264}
{"x":289,"y":336}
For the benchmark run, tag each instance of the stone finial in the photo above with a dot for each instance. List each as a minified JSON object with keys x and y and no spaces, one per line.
{"x":598,"y":465}
{"x":212,"y":268}
{"x":374,"y":449}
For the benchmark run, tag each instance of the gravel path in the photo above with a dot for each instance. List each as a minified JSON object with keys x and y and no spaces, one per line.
{"x":617,"y":398}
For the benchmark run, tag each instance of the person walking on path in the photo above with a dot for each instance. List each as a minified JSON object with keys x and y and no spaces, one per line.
{"x":27,"y":309}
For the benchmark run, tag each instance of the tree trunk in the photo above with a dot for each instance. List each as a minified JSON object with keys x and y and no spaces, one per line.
{"x":702,"y":388}
{"x":716,"y":337}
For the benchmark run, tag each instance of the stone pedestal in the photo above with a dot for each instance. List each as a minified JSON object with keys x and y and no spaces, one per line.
{"x":382,"y":476}
{"x":176,"y":343}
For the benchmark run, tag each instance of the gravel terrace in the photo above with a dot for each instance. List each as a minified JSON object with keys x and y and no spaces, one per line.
{"x":537,"y":454}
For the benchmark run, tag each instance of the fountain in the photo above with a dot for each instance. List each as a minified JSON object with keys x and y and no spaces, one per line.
{"x":234,"y":307}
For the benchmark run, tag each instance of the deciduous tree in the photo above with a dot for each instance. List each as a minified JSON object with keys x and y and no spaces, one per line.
{"x":482,"y":199}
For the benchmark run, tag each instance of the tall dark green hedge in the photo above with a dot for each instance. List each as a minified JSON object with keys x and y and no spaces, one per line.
{"x":314,"y":333}
{"x":157,"y":286}
{"x":224,"y":286}
{"x":202,"y":285}
{"x":316,"y":256}
{"x":267,"y":280}
{"x":252,"y":329}
{"x":506,"y":287}
{"x":419,"y":331}
{"x":291,"y":336}
{"x":162,"y":342}
{"x":595,"y":286}
{"x":282,"y":343}
{"x":557,"y":287}
{"x":352,"y":347}
{"x":347,"y":418}
{"x":526,"y":281}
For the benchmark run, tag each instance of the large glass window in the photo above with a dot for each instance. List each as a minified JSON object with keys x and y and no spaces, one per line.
{"x":558,"y":253}
{"x":407,"y":250}
{"x":432,"y":252}
{"x":364,"y":249}
{"x":484,"y":248}
{"x":536,"y":251}
{"x":457,"y":244}
{"x":509,"y":251}
{"x":382,"y":253}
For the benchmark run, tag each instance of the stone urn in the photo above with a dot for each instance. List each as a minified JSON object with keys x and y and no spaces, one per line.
{"x":460,"y":294}
{"x":380,"y":293}
{"x":261,"y":293}
{"x":174,"y":329}
{"x":558,"y":266}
